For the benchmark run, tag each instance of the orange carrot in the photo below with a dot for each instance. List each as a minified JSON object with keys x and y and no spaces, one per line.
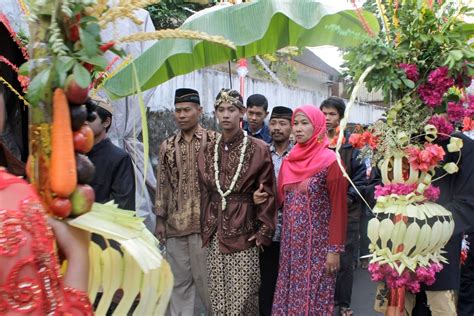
{"x":62,"y":171}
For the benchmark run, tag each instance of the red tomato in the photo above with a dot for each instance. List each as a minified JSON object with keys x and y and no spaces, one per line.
{"x":60,"y":207}
{"x":83,"y":139}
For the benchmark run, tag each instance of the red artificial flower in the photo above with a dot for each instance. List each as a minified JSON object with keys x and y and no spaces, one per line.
{"x":468,"y":124}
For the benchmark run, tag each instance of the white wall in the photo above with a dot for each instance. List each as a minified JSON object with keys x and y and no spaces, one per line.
{"x":208,"y":82}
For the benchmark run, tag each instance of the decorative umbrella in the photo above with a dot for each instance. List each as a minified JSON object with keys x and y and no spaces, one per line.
{"x":258,"y":27}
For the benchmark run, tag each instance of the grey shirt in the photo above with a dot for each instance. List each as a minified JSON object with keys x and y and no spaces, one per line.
{"x":277,"y":161}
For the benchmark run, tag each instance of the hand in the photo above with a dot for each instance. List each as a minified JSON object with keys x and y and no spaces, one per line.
{"x":74,"y":244}
{"x":257,"y":242}
{"x":260,"y":196}
{"x":160,"y":230}
{"x":332,"y":263}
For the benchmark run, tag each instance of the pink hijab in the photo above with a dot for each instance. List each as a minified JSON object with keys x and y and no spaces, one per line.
{"x":304,"y":160}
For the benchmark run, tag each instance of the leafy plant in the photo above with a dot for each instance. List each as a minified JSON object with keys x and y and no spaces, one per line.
{"x":171,"y":14}
{"x":416,"y":33}
{"x":422,"y":63}
{"x":279,"y":64}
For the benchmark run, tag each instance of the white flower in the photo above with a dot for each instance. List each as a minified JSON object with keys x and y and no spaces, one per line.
{"x":451,"y":168}
{"x":455,"y":144}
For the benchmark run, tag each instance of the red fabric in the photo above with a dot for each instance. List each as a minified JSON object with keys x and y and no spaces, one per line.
{"x":337,"y":190}
{"x":304,"y":160}
{"x":30,"y":279}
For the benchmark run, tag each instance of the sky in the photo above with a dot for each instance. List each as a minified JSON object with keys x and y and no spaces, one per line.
{"x":329,"y":54}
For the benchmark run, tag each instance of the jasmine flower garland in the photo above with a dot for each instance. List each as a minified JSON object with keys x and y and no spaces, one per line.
{"x":243,"y":149}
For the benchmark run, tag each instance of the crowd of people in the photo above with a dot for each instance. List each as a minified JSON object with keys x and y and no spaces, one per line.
{"x":259,"y":220}
{"x":266,"y":215}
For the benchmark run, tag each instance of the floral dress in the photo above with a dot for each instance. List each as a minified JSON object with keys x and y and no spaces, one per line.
{"x":30,"y":279}
{"x":314,"y":223}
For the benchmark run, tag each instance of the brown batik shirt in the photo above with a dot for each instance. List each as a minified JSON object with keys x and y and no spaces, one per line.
{"x":241,"y":218}
{"x":177,"y":194}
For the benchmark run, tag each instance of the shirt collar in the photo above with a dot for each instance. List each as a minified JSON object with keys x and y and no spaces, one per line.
{"x":287,"y":150}
{"x":197,"y":133}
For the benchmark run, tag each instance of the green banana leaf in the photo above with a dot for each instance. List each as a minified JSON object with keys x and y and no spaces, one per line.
{"x":257,"y":27}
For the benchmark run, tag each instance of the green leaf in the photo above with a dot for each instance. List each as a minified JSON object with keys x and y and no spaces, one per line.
{"x":87,"y":19}
{"x":38,"y":86}
{"x":93,"y":29}
{"x":89,"y":43}
{"x":65,"y":63}
{"x":96,"y":60}
{"x":452,"y":98}
{"x":407,"y":82}
{"x":253,"y":28}
{"x":441,"y":109}
{"x":81,"y":75}
{"x":456,"y":55}
{"x":24,"y":69}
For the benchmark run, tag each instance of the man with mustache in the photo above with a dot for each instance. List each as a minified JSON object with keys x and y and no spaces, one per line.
{"x":280,"y":131}
{"x":178,"y":204}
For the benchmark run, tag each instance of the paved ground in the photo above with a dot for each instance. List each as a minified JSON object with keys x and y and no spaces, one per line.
{"x":363,"y":293}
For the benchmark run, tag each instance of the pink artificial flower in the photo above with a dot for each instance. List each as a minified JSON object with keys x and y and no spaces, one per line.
{"x":411,"y":71}
{"x":426,"y":158}
{"x":394,"y":188}
{"x":430,"y":96}
{"x":431,"y":93}
{"x":442,"y":125}
{"x":437,"y":152}
{"x":470,"y":100}
{"x":439,"y":78}
{"x":432,"y":193}
{"x":456,"y":111}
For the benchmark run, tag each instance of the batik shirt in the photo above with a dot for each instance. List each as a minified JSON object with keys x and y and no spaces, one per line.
{"x":177,"y":196}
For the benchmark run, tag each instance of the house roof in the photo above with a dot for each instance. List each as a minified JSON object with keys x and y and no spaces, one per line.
{"x":310,"y":59}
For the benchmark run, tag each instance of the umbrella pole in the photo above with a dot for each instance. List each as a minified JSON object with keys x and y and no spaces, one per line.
{"x":230,"y":75}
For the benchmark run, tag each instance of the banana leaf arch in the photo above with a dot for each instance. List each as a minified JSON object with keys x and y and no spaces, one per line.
{"x":256,"y":27}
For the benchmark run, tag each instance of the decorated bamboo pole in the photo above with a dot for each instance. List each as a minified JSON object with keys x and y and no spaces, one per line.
{"x":40,"y":114}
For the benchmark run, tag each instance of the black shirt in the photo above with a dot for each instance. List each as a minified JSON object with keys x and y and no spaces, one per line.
{"x":114,"y":177}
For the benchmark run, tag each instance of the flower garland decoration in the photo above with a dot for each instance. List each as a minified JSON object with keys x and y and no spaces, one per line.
{"x":423,"y":75}
{"x":236,"y":176}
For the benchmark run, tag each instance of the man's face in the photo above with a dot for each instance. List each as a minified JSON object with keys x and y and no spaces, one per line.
{"x":229,"y":116}
{"x":332,"y":117}
{"x":97,"y":126}
{"x":187,"y":115}
{"x":255,"y":116}
{"x":280,"y":129}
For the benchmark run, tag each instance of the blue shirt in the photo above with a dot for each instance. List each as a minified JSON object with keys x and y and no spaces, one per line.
{"x":263,"y":133}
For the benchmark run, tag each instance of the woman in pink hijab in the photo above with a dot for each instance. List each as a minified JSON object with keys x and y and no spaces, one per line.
{"x":313,"y":192}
